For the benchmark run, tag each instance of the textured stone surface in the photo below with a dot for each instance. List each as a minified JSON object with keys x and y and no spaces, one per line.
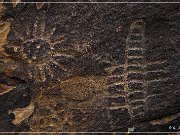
{"x":90,"y":67}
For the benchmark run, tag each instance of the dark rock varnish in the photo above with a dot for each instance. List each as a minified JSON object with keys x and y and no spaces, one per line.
{"x":96,"y":67}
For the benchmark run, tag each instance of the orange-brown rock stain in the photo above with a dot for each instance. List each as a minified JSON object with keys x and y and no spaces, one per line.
{"x":7,"y":64}
{"x":78,"y":93}
{"x":4,"y":31}
{"x":2,"y":8}
{"x":85,"y":92}
{"x":82,"y":87}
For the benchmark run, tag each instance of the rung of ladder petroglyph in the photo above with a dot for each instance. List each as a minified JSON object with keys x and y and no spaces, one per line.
{"x":114,"y":67}
{"x":116,"y":84}
{"x":135,"y":81}
{"x":116,"y":96}
{"x":135,"y":57}
{"x":138,"y":106}
{"x":118,"y":107}
{"x":135,"y":86}
{"x":156,"y":62}
{"x":62,"y":55}
{"x":135,"y":72}
{"x":139,"y":34}
{"x":135,"y":48}
{"x":115,"y":76}
{"x":159,"y":80}
{"x":138,"y":100}
{"x":136,"y":95}
{"x":139,"y":22}
{"x":137,"y":103}
{"x":137,"y":65}
{"x":137,"y":25}
{"x":111,"y":69}
{"x":138,"y":114}
{"x":155,"y":95}
{"x":157,"y":71}
{"x":134,"y":92}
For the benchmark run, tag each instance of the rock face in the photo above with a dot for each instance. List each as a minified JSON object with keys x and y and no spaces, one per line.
{"x":90,"y":67}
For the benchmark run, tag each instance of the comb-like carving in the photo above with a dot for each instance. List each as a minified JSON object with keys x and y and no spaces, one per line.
{"x":129,"y":83}
{"x":135,"y":62}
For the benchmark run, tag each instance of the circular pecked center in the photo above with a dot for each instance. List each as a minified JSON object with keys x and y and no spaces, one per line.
{"x":36,"y":50}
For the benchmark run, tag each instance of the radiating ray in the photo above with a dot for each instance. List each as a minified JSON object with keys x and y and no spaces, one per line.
{"x":39,"y":26}
{"x":50,"y":71}
{"x":59,"y":65}
{"x":49,"y":32}
{"x":28,"y":31}
{"x":30,"y":74}
{"x":41,"y":75}
{"x":62,"y":55}
{"x":57,"y":40}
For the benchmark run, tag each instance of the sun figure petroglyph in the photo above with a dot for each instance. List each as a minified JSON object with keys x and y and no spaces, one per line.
{"x":37,"y":50}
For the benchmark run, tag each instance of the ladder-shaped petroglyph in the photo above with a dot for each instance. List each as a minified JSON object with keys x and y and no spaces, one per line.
{"x":157,"y":77}
{"x":117,"y":97}
{"x":128,"y":83}
{"x":135,"y":65}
